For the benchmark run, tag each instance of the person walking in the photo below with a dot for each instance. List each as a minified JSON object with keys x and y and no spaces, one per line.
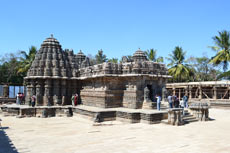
{"x":158,"y":97}
{"x":170,"y":101}
{"x":185,"y":100}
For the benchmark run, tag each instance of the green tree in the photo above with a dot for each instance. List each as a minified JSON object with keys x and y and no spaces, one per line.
{"x":203,"y":70}
{"x":179,"y":69}
{"x":222,"y":48}
{"x":100,"y":57}
{"x":26,"y":60}
{"x":152,"y":56}
{"x":8,"y":70}
{"x":113,"y":60}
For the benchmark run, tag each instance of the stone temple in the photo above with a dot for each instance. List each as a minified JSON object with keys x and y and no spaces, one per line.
{"x":56,"y":74}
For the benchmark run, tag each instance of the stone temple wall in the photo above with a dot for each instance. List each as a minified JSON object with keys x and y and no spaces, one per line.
{"x":56,"y":74}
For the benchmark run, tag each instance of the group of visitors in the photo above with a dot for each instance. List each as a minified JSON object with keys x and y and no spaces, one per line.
{"x":20,"y":98}
{"x":174,"y":101}
{"x":74,"y":99}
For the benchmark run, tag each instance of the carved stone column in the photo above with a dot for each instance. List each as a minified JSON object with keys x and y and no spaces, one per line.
{"x":47,"y":99}
{"x":39,"y":100}
{"x":28,"y":91}
{"x":33,"y":84}
{"x":56,"y":92}
{"x":63,"y":91}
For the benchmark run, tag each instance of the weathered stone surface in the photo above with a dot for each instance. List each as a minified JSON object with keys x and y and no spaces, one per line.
{"x":57,"y":74}
{"x":174,"y":116}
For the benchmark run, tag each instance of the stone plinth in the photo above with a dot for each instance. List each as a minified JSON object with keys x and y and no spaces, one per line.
{"x":153,"y":118}
{"x":130,"y":117}
{"x":174,"y":116}
{"x":25,"y":112}
{"x":200,"y":110}
{"x":38,"y":111}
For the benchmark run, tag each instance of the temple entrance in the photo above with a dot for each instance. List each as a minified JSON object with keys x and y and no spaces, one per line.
{"x":151,"y":92}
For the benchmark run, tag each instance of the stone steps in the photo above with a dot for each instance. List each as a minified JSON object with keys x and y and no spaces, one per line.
{"x":188,"y":117}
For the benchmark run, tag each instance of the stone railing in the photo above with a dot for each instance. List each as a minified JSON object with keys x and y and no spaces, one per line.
{"x":200,"y":110}
{"x":174,"y":116}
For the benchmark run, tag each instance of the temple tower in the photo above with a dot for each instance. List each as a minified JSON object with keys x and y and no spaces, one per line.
{"x":49,"y":76}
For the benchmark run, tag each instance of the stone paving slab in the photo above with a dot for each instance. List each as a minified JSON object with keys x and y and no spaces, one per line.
{"x":80,"y":135}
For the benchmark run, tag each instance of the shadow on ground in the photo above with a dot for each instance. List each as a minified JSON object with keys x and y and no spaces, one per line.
{"x":6,"y":146}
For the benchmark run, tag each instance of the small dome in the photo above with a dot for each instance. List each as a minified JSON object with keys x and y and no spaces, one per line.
{"x":139,"y":55}
{"x":50,"y":41}
{"x":80,"y":53}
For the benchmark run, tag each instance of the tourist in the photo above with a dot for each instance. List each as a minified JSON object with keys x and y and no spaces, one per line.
{"x":75,"y":99}
{"x":18,"y":99}
{"x":158,"y":97}
{"x":23,"y":98}
{"x":185,"y":100}
{"x":33,"y":100}
{"x":170,"y":101}
{"x":72,"y":99}
{"x":176,"y":102}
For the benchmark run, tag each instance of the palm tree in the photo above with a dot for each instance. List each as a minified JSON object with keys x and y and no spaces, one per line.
{"x":222,"y":48}
{"x":178,"y":67}
{"x":152,"y":56}
{"x":100,"y":57}
{"x":27,"y":60}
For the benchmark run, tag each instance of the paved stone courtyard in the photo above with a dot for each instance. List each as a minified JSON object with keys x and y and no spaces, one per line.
{"x":78,"y":135}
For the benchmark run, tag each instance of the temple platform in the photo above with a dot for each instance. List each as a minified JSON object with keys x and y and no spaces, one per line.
{"x":93,"y":113}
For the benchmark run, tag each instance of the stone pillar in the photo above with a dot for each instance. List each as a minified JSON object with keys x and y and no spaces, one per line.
{"x":69,"y":92}
{"x":6,"y":91}
{"x":28,"y":92}
{"x":56,"y":92}
{"x":47,"y":99}
{"x":39,"y":100}
{"x":186,"y":90}
{"x":33,"y":84}
{"x":190,"y":92}
{"x":179,"y":94}
{"x":174,"y":90}
{"x":63,"y":91}
{"x":214,"y":93}
{"x":200,"y":92}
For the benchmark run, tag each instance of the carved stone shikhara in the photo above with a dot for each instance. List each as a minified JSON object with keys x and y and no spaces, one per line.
{"x":56,"y":74}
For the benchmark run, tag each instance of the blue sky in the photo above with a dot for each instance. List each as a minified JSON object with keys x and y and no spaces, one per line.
{"x":119,"y":27}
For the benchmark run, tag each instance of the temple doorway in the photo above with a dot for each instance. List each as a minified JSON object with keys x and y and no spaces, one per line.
{"x":151,"y":92}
